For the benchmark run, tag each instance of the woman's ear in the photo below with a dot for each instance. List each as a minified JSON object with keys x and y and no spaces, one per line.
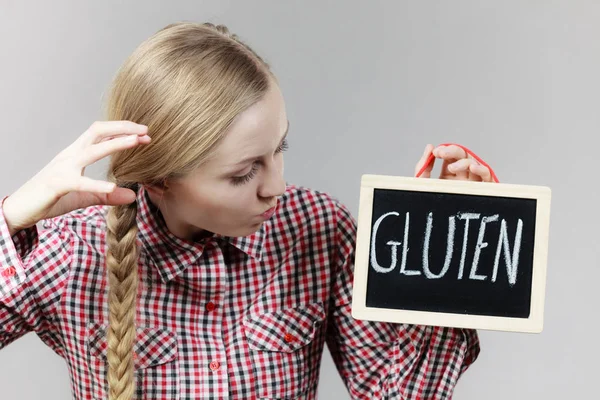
{"x":158,"y":188}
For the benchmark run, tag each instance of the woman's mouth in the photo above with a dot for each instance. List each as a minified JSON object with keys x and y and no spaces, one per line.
{"x":269,"y":213}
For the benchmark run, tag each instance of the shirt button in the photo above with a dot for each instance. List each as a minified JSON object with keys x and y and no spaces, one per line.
{"x":8,"y":272}
{"x":214,"y":365}
{"x":210,"y":306}
{"x":288,"y":337}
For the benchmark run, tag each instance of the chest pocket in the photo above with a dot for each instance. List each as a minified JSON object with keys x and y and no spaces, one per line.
{"x":155,"y":362}
{"x":285,"y":353}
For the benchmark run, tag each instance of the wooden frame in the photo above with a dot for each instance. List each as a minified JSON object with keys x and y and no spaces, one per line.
{"x":533,"y":324}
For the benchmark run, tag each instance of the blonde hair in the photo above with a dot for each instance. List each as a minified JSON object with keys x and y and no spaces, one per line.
{"x":187,"y":83}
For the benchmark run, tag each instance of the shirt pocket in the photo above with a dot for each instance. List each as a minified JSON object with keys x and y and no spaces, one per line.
{"x":155,"y":362}
{"x":284,"y":354}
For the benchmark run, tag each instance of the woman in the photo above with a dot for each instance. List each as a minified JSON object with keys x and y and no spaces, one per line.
{"x":196,"y":272}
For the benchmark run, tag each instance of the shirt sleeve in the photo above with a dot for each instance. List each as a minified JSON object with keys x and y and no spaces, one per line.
{"x":33,"y":272}
{"x":386,"y":360}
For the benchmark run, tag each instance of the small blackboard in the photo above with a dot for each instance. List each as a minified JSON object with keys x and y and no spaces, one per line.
{"x":451,"y":253}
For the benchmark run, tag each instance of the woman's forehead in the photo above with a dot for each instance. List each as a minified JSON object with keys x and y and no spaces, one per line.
{"x":255,"y":132}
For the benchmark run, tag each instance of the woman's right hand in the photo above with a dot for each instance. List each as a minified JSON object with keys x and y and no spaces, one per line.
{"x":61,"y":187}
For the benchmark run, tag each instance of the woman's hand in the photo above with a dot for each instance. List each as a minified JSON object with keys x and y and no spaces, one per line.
{"x":61,"y":186}
{"x":457,"y":164}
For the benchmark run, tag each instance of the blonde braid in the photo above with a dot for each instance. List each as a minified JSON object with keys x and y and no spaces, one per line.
{"x":122,"y":261}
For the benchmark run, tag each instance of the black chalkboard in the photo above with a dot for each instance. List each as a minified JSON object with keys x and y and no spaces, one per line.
{"x":451,"y":253}
{"x":432,"y":287}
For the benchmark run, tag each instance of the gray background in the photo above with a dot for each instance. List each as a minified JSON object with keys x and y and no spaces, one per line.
{"x":367,"y":85}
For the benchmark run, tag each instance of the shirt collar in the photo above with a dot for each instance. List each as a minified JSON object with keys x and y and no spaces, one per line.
{"x":172,"y":255}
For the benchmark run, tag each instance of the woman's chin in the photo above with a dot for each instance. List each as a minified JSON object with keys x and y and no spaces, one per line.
{"x":246,"y":231}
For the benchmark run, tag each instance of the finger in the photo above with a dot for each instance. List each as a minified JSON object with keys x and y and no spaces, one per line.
{"x":426,"y":153}
{"x":481,"y":172}
{"x":451,"y":152}
{"x":100,"y":130}
{"x":120,"y":196}
{"x":123,"y":135}
{"x":460,"y":168}
{"x":444,"y":173}
{"x":85,"y":184}
{"x":103,"y":149}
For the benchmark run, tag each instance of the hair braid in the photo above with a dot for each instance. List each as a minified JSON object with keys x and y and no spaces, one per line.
{"x":122,"y":257}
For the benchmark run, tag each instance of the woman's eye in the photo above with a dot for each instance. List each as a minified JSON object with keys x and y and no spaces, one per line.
{"x":283,"y":147}
{"x":240,"y":180}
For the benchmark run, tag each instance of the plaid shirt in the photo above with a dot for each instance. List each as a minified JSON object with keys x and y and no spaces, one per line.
{"x":238,"y":318}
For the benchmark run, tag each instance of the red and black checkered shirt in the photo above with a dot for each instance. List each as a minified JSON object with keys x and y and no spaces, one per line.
{"x":227,"y":318}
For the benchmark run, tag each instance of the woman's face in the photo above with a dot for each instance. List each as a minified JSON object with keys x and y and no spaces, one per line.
{"x":230,"y":193}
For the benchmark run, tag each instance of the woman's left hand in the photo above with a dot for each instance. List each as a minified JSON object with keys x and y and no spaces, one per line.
{"x":457,"y":164}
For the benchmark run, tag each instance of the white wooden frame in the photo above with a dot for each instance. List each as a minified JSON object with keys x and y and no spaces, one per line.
{"x":533,"y":324}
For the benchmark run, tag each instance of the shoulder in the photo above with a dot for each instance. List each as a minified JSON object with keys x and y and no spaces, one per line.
{"x":74,"y":220}
{"x":307,"y":207}
{"x":43,"y":255}
{"x":81,"y":225}
{"x":317,"y":219}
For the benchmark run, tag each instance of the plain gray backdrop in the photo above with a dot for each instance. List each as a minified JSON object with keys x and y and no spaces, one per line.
{"x":367,"y":86}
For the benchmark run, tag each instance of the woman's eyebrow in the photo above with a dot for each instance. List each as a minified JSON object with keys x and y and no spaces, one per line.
{"x":245,"y":160}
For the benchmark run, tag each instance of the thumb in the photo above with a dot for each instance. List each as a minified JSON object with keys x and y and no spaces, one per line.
{"x":117,"y":197}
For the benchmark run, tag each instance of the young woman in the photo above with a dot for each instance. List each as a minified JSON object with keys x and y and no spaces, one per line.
{"x":196,"y":272}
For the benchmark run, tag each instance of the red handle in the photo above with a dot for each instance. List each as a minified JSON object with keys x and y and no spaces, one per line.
{"x":475,"y":156}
